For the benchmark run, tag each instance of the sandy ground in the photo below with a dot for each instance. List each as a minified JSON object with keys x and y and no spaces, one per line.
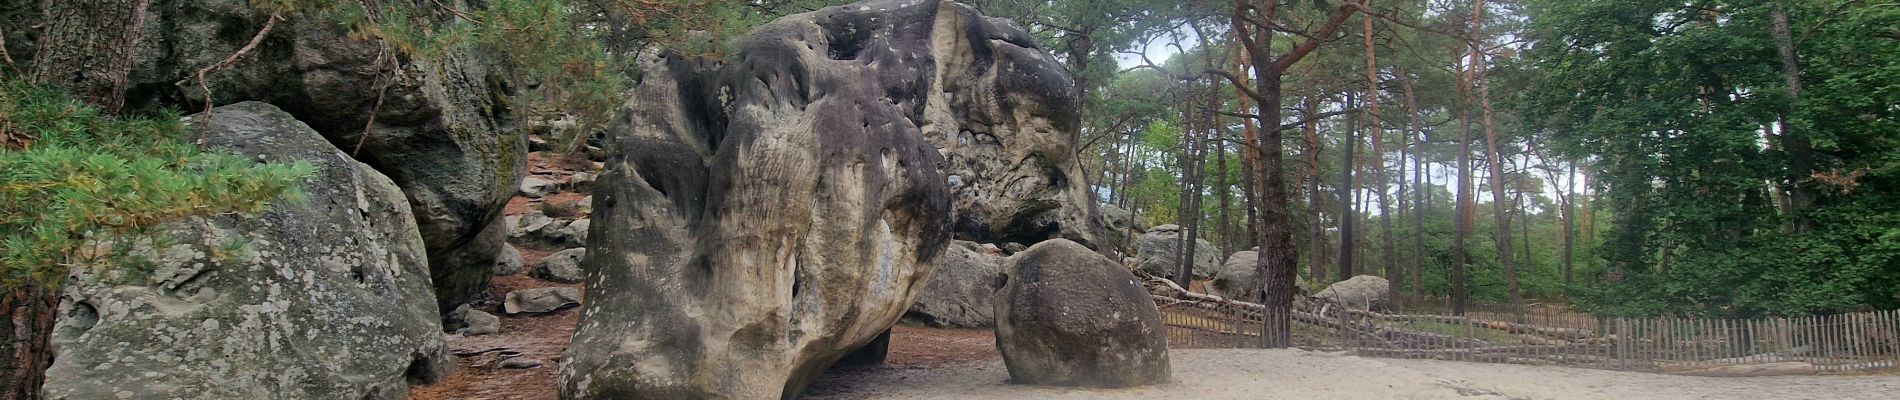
{"x":1295,"y":374}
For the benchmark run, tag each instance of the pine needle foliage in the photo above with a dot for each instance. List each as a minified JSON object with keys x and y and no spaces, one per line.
{"x":80,"y":179}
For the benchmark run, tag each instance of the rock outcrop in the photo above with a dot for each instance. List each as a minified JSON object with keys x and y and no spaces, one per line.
{"x":1120,"y":227}
{"x":434,"y":124}
{"x":1159,"y":252}
{"x":1007,"y":125}
{"x":1067,"y":316}
{"x":328,"y":298}
{"x":767,"y":217}
{"x":960,"y":293}
{"x":1363,"y":291}
{"x":1239,"y":278}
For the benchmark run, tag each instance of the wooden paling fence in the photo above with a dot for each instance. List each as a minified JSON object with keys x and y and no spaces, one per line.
{"x":1690,"y":346}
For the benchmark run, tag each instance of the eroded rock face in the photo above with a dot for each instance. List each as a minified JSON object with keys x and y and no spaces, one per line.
{"x":440,"y":131}
{"x":1159,"y":252}
{"x":1070,"y":317}
{"x":329,"y":300}
{"x":1007,"y":124}
{"x":768,"y":216}
{"x":959,"y":294}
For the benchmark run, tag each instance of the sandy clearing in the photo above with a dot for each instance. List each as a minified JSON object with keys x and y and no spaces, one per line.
{"x":1295,"y":374}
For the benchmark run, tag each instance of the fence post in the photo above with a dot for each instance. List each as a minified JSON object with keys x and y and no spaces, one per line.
{"x":1892,"y":328}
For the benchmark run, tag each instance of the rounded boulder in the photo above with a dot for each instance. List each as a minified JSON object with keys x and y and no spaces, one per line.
{"x":1067,"y":316}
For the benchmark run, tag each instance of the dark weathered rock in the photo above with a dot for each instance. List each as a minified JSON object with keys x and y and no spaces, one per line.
{"x":329,"y":300}
{"x":482,"y":250}
{"x":1239,"y":278}
{"x":1159,"y":252}
{"x":540,"y":300}
{"x":440,"y":132}
{"x":770,"y":215}
{"x":1067,"y":316}
{"x":959,"y":294}
{"x":563,"y":266}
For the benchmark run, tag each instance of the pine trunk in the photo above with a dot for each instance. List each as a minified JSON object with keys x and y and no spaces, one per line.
{"x":87,"y":47}
{"x":26,"y":340}
{"x":1500,"y":201}
{"x":1419,"y":185}
{"x":1570,"y":223}
{"x":1378,"y":160}
{"x":1315,"y":226}
{"x":1348,"y":218}
{"x":1463,"y":226}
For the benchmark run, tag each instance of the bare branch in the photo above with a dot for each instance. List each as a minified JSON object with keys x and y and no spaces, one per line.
{"x":233,"y":59}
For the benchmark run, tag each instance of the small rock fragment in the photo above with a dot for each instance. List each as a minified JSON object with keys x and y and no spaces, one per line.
{"x":563,"y":266}
{"x":509,"y":261}
{"x":540,"y":300}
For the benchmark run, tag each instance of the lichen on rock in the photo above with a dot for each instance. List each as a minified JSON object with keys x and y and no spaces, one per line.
{"x":325,"y":299}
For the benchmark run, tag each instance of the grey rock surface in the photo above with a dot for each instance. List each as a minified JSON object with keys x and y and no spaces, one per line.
{"x":1159,"y":252}
{"x":1120,"y":227}
{"x":540,"y":300}
{"x":509,"y":262}
{"x":535,"y":187}
{"x":1362,"y":292}
{"x":329,"y":299}
{"x":563,"y":266}
{"x":1068,"y":316}
{"x":960,"y":294}
{"x":1238,"y":278}
{"x":439,"y":127}
{"x":572,"y":234}
{"x":480,"y":323}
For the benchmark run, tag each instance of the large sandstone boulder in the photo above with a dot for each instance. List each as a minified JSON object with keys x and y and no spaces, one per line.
{"x":767,"y":216}
{"x":1007,"y":127}
{"x":329,"y":298}
{"x":1159,"y":253}
{"x":1363,"y":291}
{"x":959,"y":294}
{"x":440,"y":129}
{"x":1239,"y":278}
{"x":1069,"y":317}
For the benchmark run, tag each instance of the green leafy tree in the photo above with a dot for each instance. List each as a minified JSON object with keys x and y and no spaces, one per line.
{"x":1750,"y":167}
